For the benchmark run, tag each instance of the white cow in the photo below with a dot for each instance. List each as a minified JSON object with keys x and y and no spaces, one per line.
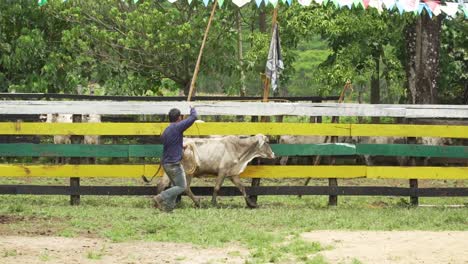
{"x":287,"y":139}
{"x":59,"y":139}
{"x":91,"y":139}
{"x":223,"y":157}
{"x":370,"y":160}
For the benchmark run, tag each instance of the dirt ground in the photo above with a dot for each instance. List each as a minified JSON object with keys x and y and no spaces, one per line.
{"x":26,"y":250}
{"x":392,"y":247}
{"x":339,"y":247}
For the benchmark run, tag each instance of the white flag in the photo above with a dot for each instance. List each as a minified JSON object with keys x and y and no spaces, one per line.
{"x":274,"y":64}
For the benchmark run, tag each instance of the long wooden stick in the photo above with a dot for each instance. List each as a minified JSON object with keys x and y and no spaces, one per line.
{"x":197,"y":66}
{"x":266,"y":84}
{"x":334,"y":120}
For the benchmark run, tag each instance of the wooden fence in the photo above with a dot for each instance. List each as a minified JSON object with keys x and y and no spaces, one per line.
{"x":260,"y":171}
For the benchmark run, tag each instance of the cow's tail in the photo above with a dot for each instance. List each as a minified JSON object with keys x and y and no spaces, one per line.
{"x":156,"y":173}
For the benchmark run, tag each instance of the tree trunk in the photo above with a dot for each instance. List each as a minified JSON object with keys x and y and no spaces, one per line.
{"x":262,"y":20}
{"x":465,"y":94}
{"x":422,"y":53}
{"x":239,"y":54}
{"x":375,"y":84}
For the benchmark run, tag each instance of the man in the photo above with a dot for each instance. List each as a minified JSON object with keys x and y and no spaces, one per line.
{"x":172,"y":139}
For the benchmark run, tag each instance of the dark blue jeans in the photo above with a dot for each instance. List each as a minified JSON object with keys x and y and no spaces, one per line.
{"x":176,"y":174}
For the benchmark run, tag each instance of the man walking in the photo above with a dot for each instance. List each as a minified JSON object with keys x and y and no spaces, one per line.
{"x":172,"y":139}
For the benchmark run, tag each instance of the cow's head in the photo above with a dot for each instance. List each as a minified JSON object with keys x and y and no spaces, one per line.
{"x":264,"y":149}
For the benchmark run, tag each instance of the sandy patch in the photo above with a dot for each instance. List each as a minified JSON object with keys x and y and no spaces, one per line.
{"x":392,"y":247}
{"x":25,"y":250}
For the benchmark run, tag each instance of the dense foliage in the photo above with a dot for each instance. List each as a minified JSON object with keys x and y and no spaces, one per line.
{"x":151,"y":47}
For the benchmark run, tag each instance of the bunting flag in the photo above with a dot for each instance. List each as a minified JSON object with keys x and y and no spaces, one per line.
{"x":450,"y":9}
{"x":240,"y":3}
{"x":347,"y":3}
{"x":304,"y":2}
{"x":432,"y":4}
{"x":410,"y":5}
{"x":437,"y":11}
{"x":400,"y":7}
{"x":432,"y":7}
{"x":465,"y":9}
{"x":389,"y":4}
{"x":274,"y":64}
{"x":376,"y":4}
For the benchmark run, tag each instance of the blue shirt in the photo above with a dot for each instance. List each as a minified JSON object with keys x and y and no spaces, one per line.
{"x":172,"y":138}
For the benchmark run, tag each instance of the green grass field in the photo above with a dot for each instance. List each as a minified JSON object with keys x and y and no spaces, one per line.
{"x":270,"y":233}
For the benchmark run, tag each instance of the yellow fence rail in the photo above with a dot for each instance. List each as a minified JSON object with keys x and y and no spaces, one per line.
{"x":234,"y":128}
{"x":278,"y":172}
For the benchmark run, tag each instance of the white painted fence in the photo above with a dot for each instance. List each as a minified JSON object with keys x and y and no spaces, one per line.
{"x":234,"y":108}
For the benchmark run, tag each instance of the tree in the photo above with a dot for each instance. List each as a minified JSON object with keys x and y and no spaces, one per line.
{"x":361,"y":44}
{"x":422,"y":52}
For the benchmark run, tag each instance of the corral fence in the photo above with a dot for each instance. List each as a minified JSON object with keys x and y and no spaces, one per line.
{"x":447,"y":121}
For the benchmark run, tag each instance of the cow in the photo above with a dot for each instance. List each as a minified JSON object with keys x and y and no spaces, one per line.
{"x":91,"y":139}
{"x":59,"y":139}
{"x":224,"y":157}
{"x":433,"y":141}
{"x":371,"y":160}
{"x":287,"y":139}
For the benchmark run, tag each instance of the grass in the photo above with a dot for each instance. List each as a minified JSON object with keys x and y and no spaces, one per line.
{"x":10,"y":253}
{"x":271,"y":233}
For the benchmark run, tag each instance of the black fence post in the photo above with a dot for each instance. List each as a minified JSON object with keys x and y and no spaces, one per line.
{"x":75,"y":181}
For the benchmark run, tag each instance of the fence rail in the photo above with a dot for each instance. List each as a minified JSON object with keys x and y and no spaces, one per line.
{"x":235,"y":108}
{"x":263,"y":171}
{"x":232,"y":191}
{"x":235,"y":128}
{"x":137,"y":151}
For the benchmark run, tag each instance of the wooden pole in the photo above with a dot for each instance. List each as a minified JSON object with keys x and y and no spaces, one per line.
{"x":266,"y":83}
{"x":197,"y":65}
{"x":266,"y":92}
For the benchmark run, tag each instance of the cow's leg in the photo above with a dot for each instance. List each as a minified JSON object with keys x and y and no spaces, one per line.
{"x":219,"y":182}
{"x":368,"y":160}
{"x":236,"y":180}
{"x":189,"y":192}
{"x":163,"y":183}
{"x":284,"y":160}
